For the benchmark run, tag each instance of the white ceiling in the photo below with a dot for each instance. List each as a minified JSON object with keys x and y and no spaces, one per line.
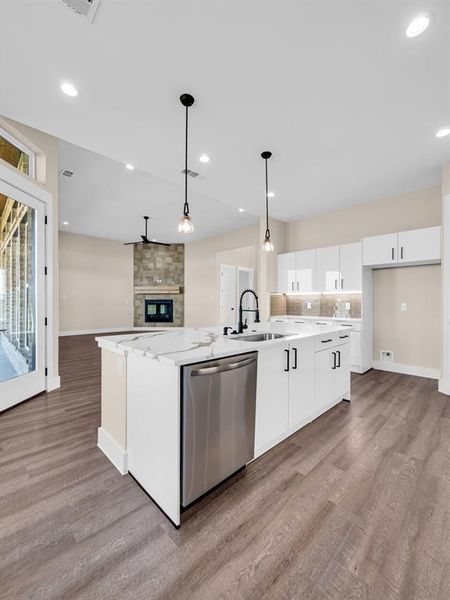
{"x":347,"y":103}
{"x":104,"y":199}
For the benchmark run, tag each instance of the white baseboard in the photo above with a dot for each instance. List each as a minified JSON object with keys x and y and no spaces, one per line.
{"x":92,"y":331}
{"x":116,"y":454}
{"x":444,"y":386}
{"x":385,"y":365}
{"x":53,"y":383}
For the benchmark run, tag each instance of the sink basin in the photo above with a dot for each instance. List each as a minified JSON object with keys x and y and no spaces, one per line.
{"x":259,"y":337}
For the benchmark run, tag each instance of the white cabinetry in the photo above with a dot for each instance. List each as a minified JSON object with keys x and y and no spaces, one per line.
{"x":301,"y":382}
{"x":331,"y":375}
{"x":328,"y":274}
{"x":306,"y":270}
{"x":380,"y":249}
{"x":350,"y":262}
{"x":272,"y":395}
{"x":286,"y":276}
{"x":419,"y":246}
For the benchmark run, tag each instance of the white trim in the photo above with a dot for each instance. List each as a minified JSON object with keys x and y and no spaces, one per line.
{"x":444,"y":383}
{"x":53,"y":383}
{"x":384,"y":365}
{"x":111,"y":449}
{"x":93,"y":331}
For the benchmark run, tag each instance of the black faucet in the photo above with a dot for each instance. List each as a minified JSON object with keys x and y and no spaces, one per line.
{"x":241,"y":325}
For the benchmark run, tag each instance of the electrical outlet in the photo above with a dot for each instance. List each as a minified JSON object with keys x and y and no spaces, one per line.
{"x":403,"y":306}
{"x":347,"y":306}
{"x":386,"y":355}
{"x":308,"y":305}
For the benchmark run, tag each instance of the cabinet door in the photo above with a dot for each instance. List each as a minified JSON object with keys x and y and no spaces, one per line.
{"x":380,"y":249}
{"x":420,"y":245}
{"x":306,"y":271}
{"x":272,"y":400}
{"x":323,"y":380}
{"x":328,"y":269}
{"x":301,"y":382}
{"x":350,"y":260}
{"x":342,"y":372}
{"x":286,"y":275}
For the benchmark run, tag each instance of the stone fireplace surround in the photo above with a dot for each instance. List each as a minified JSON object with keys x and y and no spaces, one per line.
{"x":159,"y":267}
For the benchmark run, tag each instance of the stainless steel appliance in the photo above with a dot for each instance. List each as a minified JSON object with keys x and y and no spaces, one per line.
{"x":219,"y":398}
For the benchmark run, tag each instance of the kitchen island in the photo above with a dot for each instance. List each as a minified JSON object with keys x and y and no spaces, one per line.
{"x":299,"y":375}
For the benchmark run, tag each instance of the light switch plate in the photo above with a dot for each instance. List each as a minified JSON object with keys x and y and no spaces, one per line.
{"x":308,"y":305}
{"x":403,"y":306}
{"x":347,"y":306}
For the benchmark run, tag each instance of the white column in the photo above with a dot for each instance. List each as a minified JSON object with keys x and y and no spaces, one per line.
{"x":444,"y":382}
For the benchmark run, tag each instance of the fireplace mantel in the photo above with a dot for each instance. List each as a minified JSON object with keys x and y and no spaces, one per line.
{"x":153,"y":290}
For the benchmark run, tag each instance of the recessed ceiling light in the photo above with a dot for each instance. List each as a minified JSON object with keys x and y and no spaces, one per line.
{"x":419,"y":24}
{"x":242,"y":210}
{"x":271,"y":194}
{"x":443,"y":132}
{"x":69,"y":89}
{"x":129,"y":167}
{"x":204,"y":158}
{"x":65,"y":223}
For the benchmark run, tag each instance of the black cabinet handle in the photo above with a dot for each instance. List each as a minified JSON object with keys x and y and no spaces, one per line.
{"x":295,"y":358}
{"x":287,"y":359}
{"x":342,"y":337}
{"x":392,"y":253}
{"x":339,"y":357}
{"x":334,"y":360}
{"x":326,"y":341}
{"x":401,"y":252}
{"x":342,"y":283}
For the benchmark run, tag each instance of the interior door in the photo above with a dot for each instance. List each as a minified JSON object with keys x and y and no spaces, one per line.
{"x":22,"y":296}
{"x":228,"y":313}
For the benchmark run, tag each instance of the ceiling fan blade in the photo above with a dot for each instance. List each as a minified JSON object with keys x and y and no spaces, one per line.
{"x":131,"y":243}
{"x":158,"y":243}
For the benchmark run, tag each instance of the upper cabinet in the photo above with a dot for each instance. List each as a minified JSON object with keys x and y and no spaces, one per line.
{"x":286,"y":276}
{"x":306,"y":271}
{"x":350,"y":261}
{"x":328,"y":274}
{"x":419,"y":246}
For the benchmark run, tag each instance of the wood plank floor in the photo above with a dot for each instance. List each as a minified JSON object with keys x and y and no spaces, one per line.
{"x":356,"y":505}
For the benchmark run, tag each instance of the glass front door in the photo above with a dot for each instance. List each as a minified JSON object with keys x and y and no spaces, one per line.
{"x":22,"y":296}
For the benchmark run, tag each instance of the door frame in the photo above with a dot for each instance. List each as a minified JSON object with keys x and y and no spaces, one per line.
{"x":23,"y":183}
{"x":223,"y":266}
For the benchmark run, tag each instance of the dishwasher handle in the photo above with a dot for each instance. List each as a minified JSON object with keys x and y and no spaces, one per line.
{"x":223,"y":368}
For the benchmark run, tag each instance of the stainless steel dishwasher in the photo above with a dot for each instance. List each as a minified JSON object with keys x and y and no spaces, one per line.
{"x":218,"y":416}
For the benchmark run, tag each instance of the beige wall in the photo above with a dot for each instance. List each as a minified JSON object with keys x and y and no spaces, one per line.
{"x":96,"y":283}
{"x":399,"y":213}
{"x":45,"y":148}
{"x":413,"y":335}
{"x":202,"y":297}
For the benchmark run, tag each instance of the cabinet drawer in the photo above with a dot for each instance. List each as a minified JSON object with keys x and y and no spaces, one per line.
{"x":329,"y":340}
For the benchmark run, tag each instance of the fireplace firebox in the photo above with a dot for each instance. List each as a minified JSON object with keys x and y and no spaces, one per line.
{"x":158,"y":311}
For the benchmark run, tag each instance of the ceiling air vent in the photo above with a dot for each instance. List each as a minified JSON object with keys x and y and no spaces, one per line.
{"x":84,"y":8}
{"x":66,"y":173}
{"x":190,"y":173}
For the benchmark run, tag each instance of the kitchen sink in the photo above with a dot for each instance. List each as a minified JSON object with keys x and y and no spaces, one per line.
{"x":259,"y":337}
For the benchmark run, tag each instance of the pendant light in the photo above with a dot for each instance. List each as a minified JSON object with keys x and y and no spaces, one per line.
{"x":185,"y":225}
{"x":267,"y":245}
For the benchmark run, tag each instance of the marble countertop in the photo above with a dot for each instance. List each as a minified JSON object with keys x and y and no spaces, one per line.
{"x":316,"y":318}
{"x":181,"y":346}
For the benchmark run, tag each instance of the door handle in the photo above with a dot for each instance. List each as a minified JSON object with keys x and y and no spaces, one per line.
{"x":222,"y":368}
{"x":334,"y":360}
{"x":287,"y":359}
{"x":295,"y":358}
{"x":338,"y":352}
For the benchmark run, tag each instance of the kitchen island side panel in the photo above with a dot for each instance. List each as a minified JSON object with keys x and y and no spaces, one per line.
{"x":153,"y":430}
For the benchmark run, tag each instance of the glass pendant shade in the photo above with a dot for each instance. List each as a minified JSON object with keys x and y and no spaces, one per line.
{"x":185,"y":225}
{"x":267,"y":245}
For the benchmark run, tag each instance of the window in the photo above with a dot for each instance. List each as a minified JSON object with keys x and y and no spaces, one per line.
{"x":16,"y":154}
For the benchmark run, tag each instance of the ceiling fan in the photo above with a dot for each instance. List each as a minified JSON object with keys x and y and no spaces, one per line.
{"x":145,"y":239}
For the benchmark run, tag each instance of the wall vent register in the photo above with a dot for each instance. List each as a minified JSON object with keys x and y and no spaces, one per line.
{"x":84,"y":8}
{"x":158,"y":311}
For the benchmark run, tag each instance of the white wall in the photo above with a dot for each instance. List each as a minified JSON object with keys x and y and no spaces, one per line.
{"x":96,"y":284}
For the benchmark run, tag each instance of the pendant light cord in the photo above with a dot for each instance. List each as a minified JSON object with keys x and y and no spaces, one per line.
{"x":267,"y":203}
{"x":186,"y":205}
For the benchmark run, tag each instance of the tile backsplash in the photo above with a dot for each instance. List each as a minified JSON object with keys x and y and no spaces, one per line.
{"x":316,"y":305}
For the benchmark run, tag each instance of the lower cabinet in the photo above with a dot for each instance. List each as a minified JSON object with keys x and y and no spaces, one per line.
{"x":285,"y":391}
{"x":331,"y":375}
